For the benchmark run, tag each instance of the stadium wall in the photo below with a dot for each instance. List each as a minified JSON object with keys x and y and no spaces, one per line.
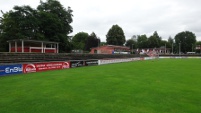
{"x":23,"y":68}
{"x":13,"y":69}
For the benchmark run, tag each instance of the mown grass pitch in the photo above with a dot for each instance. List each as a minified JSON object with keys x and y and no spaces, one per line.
{"x":155,"y":86}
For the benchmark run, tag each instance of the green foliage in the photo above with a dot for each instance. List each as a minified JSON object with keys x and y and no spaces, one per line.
{"x":60,"y":18}
{"x":162,"y":86}
{"x":154,"y":40}
{"x":84,"y":41}
{"x":132,"y":44}
{"x":79,"y":40}
{"x":198,"y":44}
{"x":170,"y":40}
{"x":50,"y":21}
{"x":187,"y":41}
{"x":165,"y":43}
{"x":19,"y":23}
{"x":115,"y":36}
{"x":92,"y":41}
{"x":142,"y":41}
{"x":103,"y":43}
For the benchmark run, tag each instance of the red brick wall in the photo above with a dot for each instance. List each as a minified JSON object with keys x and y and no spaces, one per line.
{"x":103,"y":50}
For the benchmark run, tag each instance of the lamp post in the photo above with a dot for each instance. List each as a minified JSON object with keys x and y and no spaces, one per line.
{"x":132,"y":49}
{"x":200,"y":49}
{"x":179,"y":48}
{"x":172,"y":49}
{"x":98,"y":41}
{"x":165,"y":48}
{"x":192,"y":47}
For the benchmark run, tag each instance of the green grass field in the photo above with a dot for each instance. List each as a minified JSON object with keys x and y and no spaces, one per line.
{"x":155,"y":86}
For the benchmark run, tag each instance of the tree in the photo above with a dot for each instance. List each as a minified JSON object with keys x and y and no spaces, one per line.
{"x":55,"y":22}
{"x":103,"y":43}
{"x":115,"y":36}
{"x":132,"y":44}
{"x":154,"y":40}
{"x":170,"y":40}
{"x":142,"y":41}
{"x":185,"y":41}
{"x":19,"y":23}
{"x":165,"y":43}
{"x":172,"y":44}
{"x":79,"y":40}
{"x":198,"y":44}
{"x":92,"y":41}
{"x":134,"y":37}
{"x":51,"y":21}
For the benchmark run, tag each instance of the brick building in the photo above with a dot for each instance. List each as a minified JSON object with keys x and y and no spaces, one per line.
{"x":110,"y":49}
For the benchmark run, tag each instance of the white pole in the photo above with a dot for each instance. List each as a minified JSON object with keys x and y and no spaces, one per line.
{"x":15,"y":46}
{"x":22,"y":46}
{"x":165,"y":48}
{"x":179,"y":48}
{"x":57,"y":47}
{"x":42,"y":48}
{"x":10,"y":46}
{"x":172,"y":49}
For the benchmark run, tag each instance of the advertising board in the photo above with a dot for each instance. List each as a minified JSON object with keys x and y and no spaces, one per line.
{"x":91,"y":62}
{"x":10,"y":69}
{"x":137,"y":59}
{"x":149,"y":58}
{"x":76,"y":63}
{"x":110,"y":61}
{"x":44,"y":66}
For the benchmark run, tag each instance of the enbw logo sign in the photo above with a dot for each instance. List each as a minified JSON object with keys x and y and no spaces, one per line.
{"x":10,"y":69}
{"x":13,"y":70}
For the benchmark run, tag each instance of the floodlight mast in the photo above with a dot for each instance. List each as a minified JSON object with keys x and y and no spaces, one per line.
{"x":200,"y":49}
{"x":172,"y":49}
{"x":165,"y":48}
{"x":179,"y":48}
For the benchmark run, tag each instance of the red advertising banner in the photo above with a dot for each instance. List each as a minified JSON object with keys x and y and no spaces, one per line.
{"x":45,"y":66}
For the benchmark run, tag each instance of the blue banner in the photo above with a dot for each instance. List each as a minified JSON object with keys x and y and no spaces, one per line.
{"x":10,"y":69}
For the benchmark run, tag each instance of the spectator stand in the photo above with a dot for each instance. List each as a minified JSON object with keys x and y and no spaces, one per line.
{"x":32,"y":46}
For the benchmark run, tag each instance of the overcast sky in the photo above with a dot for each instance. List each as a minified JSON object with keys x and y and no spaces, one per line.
{"x":135,"y":17}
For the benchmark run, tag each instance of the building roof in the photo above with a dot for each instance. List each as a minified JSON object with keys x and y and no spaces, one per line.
{"x":114,"y":46}
{"x":37,"y":41}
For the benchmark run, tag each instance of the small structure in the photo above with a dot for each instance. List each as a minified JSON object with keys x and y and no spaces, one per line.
{"x":30,"y":46}
{"x":161,"y":50}
{"x":198,"y":47}
{"x":110,"y":49}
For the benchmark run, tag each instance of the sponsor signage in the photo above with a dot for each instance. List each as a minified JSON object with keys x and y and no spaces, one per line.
{"x":44,"y":66}
{"x":149,"y":58}
{"x":10,"y":69}
{"x":110,"y":61}
{"x":136,"y":59}
{"x":90,"y":62}
{"x":78,"y":63}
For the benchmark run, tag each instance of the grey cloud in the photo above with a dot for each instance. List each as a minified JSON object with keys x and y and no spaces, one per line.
{"x":136,"y":17}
